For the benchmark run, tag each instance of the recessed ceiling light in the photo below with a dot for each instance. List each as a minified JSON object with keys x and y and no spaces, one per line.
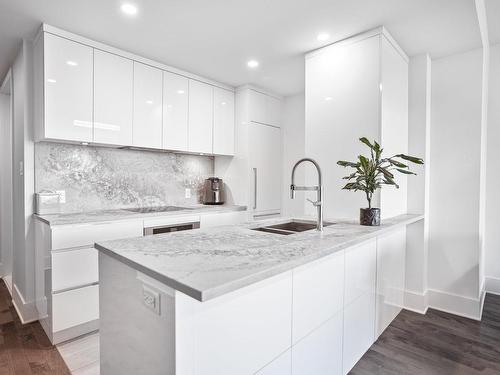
{"x":323,"y":36}
{"x":223,"y":103}
{"x":253,"y":64}
{"x":180,"y":91}
{"x":149,"y":102}
{"x":71,"y":63}
{"x":129,"y":9}
{"x":328,"y":98}
{"x":51,"y":80}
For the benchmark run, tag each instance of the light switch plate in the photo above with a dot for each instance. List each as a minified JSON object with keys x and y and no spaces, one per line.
{"x":151,"y":298}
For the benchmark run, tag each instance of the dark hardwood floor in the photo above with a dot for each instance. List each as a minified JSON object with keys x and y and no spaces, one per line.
{"x":437,"y":343}
{"x":25,"y":349}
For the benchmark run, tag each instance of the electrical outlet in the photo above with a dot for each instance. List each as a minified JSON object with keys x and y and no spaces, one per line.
{"x":188,"y":193}
{"x":151,"y":298}
{"x":62,"y":195}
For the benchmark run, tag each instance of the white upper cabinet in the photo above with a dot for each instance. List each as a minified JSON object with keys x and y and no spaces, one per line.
{"x":264,"y":109}
{"x":223,"y":122}
{"x":175,"y":111}
{"x":66,"y":87}
{"x":147,"y":125}
{"x":200,"y":132}
{"x":113,"y":99}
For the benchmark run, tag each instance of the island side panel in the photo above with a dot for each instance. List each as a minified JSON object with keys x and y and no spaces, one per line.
{"x":134,"y":339}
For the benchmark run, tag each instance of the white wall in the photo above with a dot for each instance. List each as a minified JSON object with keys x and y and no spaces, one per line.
{"x":492,"y":234}
{"x":455,"y":174}
{"x":5,"y":186}
{"x":23,"y":273}
{"x":293,"y":136}
{"x":419,"y":122}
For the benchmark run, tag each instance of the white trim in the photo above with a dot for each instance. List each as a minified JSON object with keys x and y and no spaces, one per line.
{"x":259,"y":89}
{"x":416,"y":302}
{"x":26,"y":310}
{"x":6,"y":86}
{"x":378,"y":31}
{"x":455,"y":304}
{"x":492,"y":285}
{"x":104,"y":47}
{"x":7,"y":279}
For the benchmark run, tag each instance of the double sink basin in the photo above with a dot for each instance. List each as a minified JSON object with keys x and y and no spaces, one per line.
{"x":290,"y":227}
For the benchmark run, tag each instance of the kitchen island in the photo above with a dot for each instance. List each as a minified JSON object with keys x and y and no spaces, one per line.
{"x":233,"y":300}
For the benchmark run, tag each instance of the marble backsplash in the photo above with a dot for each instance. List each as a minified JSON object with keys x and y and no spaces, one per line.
{"x":97,"y":178}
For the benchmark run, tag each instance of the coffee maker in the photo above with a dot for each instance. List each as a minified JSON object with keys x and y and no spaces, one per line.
{"x":213,"y":191}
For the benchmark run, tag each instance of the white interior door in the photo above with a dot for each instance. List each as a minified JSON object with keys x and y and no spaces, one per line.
{"x":265,"y":164}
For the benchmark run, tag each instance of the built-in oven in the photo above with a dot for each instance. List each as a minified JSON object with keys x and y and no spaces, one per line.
{"x":168,"y":228}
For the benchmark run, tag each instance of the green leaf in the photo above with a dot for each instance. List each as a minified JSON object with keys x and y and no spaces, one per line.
{"x":366,"y":142}
{"x":413,"y":159}
{"x":347,"y":164}
{"x":404,"y":171}
{"x":397,"y":163}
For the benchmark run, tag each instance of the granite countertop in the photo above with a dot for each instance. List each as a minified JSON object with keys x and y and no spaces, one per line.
{"x":111,"y":215}
{"x":207,"y":263}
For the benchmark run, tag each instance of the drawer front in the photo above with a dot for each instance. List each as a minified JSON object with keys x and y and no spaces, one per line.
{"x":227,"y":218}
{"x":86,"y":234}
{"x":74,"y":268}
{"x":75,"y":307}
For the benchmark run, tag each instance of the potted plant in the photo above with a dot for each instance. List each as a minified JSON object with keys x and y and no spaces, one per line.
{"x":370,"y":173}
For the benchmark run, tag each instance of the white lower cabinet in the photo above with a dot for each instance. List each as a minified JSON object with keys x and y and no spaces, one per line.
{"x":75,"y":307}
{"x":320,"y":352}
{"x":318,"y":292}
{"x":280,"y":366}
{"x":228,"y":218}
{"x":391,"y":255}
{"x":74,"y":268}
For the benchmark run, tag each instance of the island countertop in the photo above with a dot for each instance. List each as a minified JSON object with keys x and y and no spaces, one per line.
{"x":207,"y":263}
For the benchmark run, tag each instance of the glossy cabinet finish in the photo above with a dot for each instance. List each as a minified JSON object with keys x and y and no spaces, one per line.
{"x":318,"y":294}
{"x":280,"y":366}
{"x":228,"y":218}
{"x":74,"y":268}
{"x":75,"y":307}
{"x":147,"y":124}
{"x":113,"y":99}
{"x":67,"y":89}
{"x":320,"y":352}
{"x":223,"y":122}
{"x":359,"y":307}
{"x":264,"y":145}
{"x":200,"y":133}
{"x":391,"y":255}
{"x":264,"y":109}
{"x":175,"y":112}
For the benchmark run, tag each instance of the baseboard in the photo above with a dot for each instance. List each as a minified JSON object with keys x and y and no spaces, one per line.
{"x":416,"y":302}
{"x":26,"y":310}
{"x":492,"y":285}
{"x":8,"y":282}
{"x":455,"y":304}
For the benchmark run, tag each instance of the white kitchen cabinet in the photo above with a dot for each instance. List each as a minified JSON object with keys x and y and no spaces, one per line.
{"x":113,"y":99}
{"x":223,"y":133}
{"x":264,"y":108}
{"x":360,"y":270}
{"x":264,"y":145}
{"x":321,"y":351}
{"x":147,"y":124}
{"x":280,"y":366}
{"x":74,"y":268}
{"x":175,"y":112}
{"x":226,"y":218}
{"x":75,"y":307}
{"x":391,"y":255}
{"x":200,"y":128}
{"x":205,"y":332}
{"x":63,"y":89}
{"x":318,"y":294}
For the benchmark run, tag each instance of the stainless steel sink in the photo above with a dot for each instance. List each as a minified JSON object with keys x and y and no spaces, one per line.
{"x":290,"y":227}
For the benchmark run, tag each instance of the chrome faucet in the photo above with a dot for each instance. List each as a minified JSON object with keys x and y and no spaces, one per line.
{"x":319,"y":191}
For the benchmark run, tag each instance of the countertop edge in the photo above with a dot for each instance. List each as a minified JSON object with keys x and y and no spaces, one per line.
{"x":212,"y":293}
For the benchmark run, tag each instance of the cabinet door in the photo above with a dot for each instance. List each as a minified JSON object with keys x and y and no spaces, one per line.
{"x":391,"y":255}
{"x":257,"y":107}
{"x":223,"y":122}
{"x":113,"y":99}
{"x":147,"y":126}
{"x":200,"y":131}
{"x":175,"y":112}
{"x":273,"y":106}
{"x":321,"y":351}
{"x":227,"y":218}
{"x":280,"y":366}
{"x":265,"y":164}
{"x":67,"y":90}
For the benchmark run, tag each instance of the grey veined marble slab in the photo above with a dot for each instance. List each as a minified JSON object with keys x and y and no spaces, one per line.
{"x":207,"y":263}
{"x":112,"y":215}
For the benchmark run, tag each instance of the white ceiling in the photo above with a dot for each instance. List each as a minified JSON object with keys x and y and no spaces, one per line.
{"x":215,"y":38}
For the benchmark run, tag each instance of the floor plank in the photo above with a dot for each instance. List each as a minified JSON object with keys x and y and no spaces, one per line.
{"x":437,"y":343}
